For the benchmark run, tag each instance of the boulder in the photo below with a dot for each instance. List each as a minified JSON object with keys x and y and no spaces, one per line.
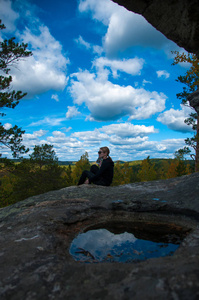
{"x":36,"y":234}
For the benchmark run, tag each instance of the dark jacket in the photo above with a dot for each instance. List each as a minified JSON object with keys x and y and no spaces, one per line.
{"x":105,"y":174}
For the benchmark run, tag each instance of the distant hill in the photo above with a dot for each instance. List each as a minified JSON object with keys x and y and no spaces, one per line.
{"x":156,"y":161}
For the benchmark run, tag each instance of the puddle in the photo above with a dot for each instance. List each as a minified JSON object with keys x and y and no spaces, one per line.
{"x":125,"y":243}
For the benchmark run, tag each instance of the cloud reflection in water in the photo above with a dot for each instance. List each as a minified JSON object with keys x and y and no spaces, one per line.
{"x":102,"y":245}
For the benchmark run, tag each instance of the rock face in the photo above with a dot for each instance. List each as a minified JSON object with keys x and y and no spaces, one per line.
{"x":194,"y":100}
{"x":178,"y":20}
{"x":35,"y":237}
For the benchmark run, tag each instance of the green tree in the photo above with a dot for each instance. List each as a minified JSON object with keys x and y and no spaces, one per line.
{"x":10,"y":52}
{"x":33,"y":176}
{"x":181,"y":168}
{"x":80,"y":166}
{"x":43,"y":155}
{"x":191,"y":84}
{"x":117,"y":177}
{"x":122,"y":173}
{"x":31,"y":181}
{"x":69,"y":177}
{"x":147,"y":171}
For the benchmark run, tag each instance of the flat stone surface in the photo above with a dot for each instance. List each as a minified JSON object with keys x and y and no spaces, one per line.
{"x":35,"y":236}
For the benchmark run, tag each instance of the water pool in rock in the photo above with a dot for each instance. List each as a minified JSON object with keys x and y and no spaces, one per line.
{"x":120,"y":243}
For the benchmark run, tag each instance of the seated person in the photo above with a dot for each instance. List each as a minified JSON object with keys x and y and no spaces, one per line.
{"x":102,"y":175}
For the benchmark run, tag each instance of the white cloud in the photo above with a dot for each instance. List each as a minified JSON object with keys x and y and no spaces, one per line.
{"x":144,"y":82}
{"x":43,"y":71}
{"x":174,"y":119}
{"x":7,"y":126}
{"x":88,"y":46}
{"x":72,"y":112}
{"x":108,"y":101}
{"x":55,"y":97}
{"x":46,"y":69}
{"x":48,"y":121}
{"x":8,"y":15}
{"x":100,"y":242}
{"x":82,"y":42}
{"x":126,"y":141}
{"x":163,"y":73}
{"x":117,"y":140}
{"x":101,"y":10}
{"x":34,"y":135}
{"x":66,"y":129}
{"x":94,"y":135}
{"x":129,"y":66}
{"x":125,"y":130}
{"x":125,"y":29}
{"x":32,"y":139}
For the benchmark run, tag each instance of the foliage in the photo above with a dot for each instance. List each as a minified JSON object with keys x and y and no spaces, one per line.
{"x":43,"y":155}
{"x":147,"y":171}
{"x":10,"y":53}
{"x":69,"y":177}
{"x":191,"y":82}
{"x":39,"y":174}
{"x":25,"y":179}
{"x":122,"y":173}
{"x":80,"y":166}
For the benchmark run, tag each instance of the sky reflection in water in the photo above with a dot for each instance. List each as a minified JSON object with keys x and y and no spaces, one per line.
{"x":102,"y":245}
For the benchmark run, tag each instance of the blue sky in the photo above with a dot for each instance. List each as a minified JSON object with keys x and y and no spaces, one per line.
{"x":99,"y":76}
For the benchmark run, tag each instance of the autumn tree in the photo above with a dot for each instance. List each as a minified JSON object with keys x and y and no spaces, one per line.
{"x":117,"y":177}
{"x":10,"y":53}
{"x":122,"y":173}
{"x":147,"y":171}
{"x":191,"y":84}
{"x":80,"y":166}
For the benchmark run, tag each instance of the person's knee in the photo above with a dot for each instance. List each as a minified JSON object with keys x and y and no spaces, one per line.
{"x":94,"y":169}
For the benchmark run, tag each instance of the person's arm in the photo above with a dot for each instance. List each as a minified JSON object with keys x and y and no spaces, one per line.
{"x":104,"y":166}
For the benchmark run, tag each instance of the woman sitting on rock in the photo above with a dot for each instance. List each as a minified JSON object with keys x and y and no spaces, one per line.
{"x":102,"y":175}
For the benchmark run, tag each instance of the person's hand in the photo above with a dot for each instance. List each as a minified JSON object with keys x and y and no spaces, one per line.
{"x":86,"y":181}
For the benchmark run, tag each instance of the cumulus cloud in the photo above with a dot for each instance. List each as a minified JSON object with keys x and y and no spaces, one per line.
{"x":101,"y":10}
{"x":7,"y":126}
{"x":94,"y":135}
{"x":163,"y":73}
{"x":108,"y":101}
{"x":125,"y":140}
{"x":129,"y":66}
{"x":46,"y":69}
{"x":43,"y":71}
{"x":118,"y":20}
{"x":32,"y":139}
{"x":174,"y":119}
{"x":125,"y":130}
{"x":72,"y":112}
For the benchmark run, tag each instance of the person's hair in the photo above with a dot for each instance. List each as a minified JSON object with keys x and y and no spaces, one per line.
{"x":106,"y":150}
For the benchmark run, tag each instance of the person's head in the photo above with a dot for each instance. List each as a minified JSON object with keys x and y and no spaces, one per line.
{"x":104,"y":152}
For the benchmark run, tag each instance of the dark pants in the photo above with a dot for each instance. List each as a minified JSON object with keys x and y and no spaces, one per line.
{"x":89,"y":174}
